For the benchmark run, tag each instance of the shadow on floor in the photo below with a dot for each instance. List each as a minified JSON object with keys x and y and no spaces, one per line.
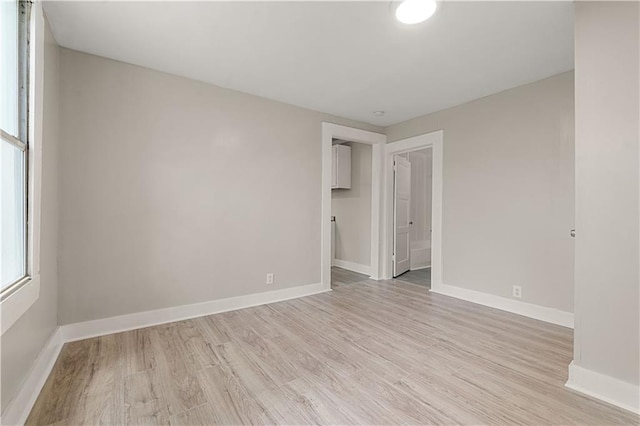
{"x":343,"y":276}
{"x":419,"y":277}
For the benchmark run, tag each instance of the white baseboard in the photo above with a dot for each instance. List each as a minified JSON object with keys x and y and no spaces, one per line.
{"x":101,"y":327}
{"x":606,"y":388}
{"x":417,"y":268}
{"x":542,"y":313}
{"x":18,"y":410}
{"x":352,"y":266}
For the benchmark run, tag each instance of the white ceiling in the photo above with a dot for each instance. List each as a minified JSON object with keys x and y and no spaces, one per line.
{"x":345,"y":58}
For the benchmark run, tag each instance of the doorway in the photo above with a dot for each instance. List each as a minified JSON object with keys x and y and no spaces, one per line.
{"x":331,"y":133}
{"x":423,"y":244}
{"x":412,"y":205}
{"x":351,"y":208}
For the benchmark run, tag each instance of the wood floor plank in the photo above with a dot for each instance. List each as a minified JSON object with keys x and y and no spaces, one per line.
{"x":175,"y":367}
{"x":232,"y":403}
{"x":269,"y":358}
{"x":219,"y":388}
{"x":211,"y":331}
{"x":144,"y":398}
{"x":70,"y":385}
{"x":287,"y":405}
{"x":369,"y":352}
{"x":239,"y":365}
{"x":197,"y":416}
{"x":137,"y":351}
{"x":325,"y":405}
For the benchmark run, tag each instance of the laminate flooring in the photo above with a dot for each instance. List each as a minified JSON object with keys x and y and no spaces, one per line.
{"x":386,"y":352}
{"x":419,"y":277}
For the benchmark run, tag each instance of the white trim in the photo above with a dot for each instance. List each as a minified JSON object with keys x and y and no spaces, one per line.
{"x":377,"y":140}
{"x":432,"y":140}
{"x":417,"y":265}
{"x":14,"y":306}
{"x":19,"y":408}
{"x":420,"y":267}
{"x":9,"y":138}
{"x":101,"y":327}
{"x":36,"y":117}
{"x":542,"y":313}
{"x":605,"y":388}
{"x":352,"y":266}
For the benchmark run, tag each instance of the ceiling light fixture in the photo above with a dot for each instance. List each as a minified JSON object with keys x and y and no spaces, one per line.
{"x":415,"y":11}
{"x":378,"y":113}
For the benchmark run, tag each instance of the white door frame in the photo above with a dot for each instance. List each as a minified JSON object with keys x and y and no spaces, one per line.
{"x":430,"y":140}
{"x":377,"y":141}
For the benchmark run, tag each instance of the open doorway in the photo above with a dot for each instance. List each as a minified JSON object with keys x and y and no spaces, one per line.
{"x":351,"y":185}
{"x":412,"y":207}
{"x":332,"y":135}
{"x":425,"y":245}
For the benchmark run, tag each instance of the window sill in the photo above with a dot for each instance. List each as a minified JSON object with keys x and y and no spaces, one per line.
{"x":14,"y":306}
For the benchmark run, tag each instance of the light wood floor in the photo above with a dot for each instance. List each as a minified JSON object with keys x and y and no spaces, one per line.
{"x":344,"y":276}
{"x":367,"y":353}
{"x":420,"y":277}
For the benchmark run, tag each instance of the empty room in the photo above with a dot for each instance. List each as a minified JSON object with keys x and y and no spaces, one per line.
{"x":418,"y":212}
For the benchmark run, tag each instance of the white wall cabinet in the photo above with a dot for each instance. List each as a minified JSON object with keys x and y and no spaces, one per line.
{"x":341,"y":167}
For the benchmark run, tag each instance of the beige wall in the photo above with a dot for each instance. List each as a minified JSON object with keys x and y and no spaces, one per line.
{"x":22,"y":343}
{"x":607,"y":217}
{"x":177,"y":192}
{"x":352,"y":209}
{"x":508,"y":191}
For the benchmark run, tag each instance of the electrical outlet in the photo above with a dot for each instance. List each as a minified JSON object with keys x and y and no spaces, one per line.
{"x":517,"y":292}
{"x":270,"y":278}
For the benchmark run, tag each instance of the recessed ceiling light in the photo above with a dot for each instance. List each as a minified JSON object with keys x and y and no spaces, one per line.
{"x":415,"y":11}
{"x":378,"y":113}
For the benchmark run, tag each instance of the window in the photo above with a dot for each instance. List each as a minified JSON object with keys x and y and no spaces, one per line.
{"x":14,"y":149}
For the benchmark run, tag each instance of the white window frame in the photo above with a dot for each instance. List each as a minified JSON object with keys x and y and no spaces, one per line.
{"x":18,"y":298}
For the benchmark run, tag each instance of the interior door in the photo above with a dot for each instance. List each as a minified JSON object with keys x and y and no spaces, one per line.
{"x":401,"y":213}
